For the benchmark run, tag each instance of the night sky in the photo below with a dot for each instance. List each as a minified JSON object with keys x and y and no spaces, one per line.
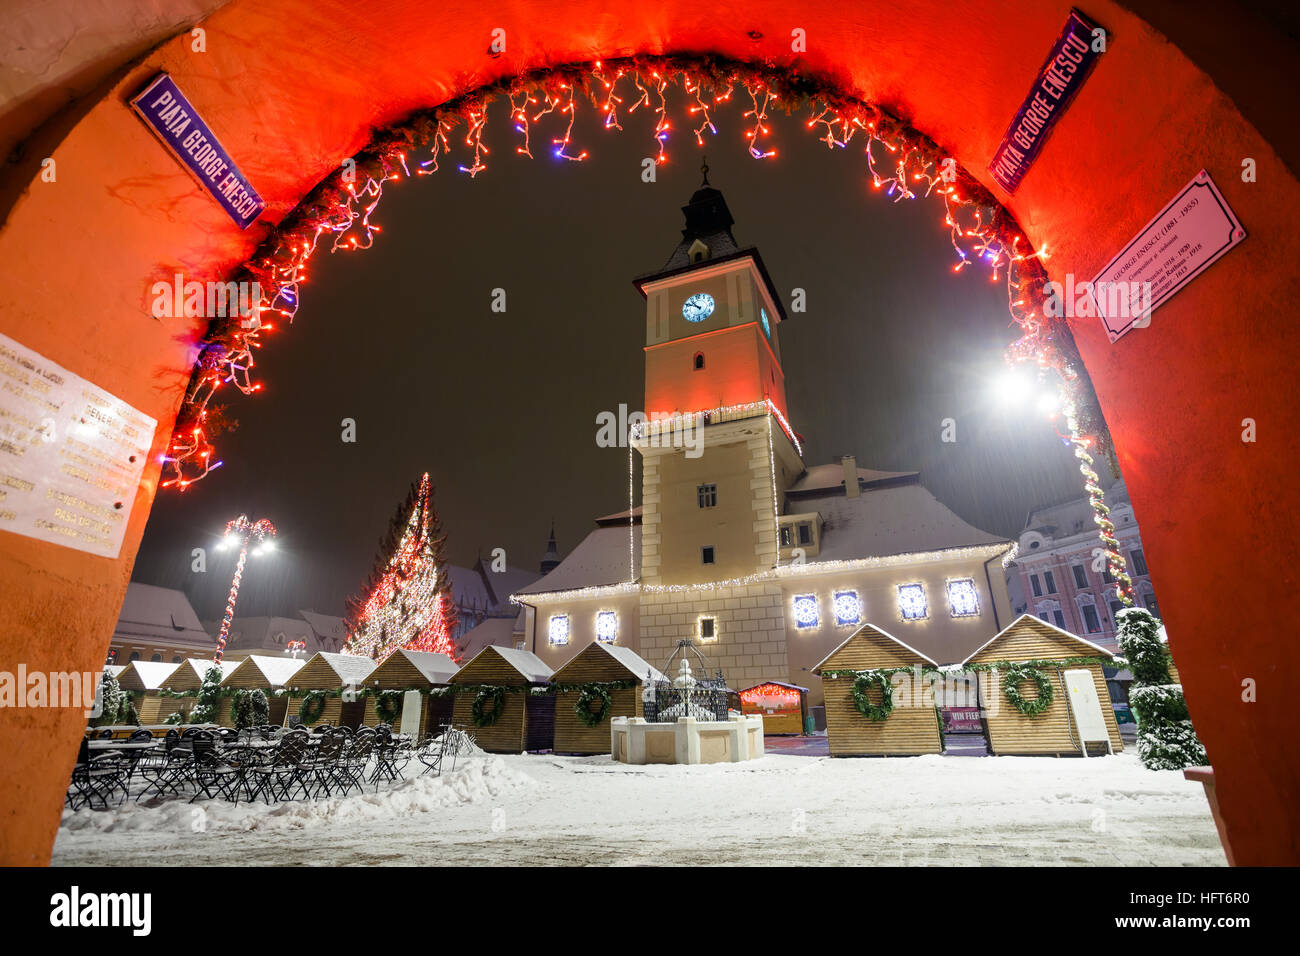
{"x":501,"y":408}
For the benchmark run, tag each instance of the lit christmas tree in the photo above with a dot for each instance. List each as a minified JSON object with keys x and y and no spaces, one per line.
{"x":406,"y":602}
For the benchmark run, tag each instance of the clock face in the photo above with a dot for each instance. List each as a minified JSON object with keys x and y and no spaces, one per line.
{"x":698,"y":307}
{"x":762,"y":316}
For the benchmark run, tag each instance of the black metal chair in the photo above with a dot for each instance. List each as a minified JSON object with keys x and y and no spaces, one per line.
{"x":100,"y":779}
{"x":392,"y":754}
{"x":354,"y":761}
{"x":165,"y":771}
{"x":141,"y":734}
{"x":325,"y":765}
{"x":288,"y":765}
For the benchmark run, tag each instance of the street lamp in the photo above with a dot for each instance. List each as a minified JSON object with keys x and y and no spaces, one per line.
{"x":241,"y":531}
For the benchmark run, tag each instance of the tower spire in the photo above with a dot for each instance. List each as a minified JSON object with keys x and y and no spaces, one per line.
{"x":704,"y":168}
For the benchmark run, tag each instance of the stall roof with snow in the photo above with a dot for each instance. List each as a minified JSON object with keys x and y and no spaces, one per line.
{"x":188,"y":675}
{"x":145,"y":675}
{"x":406,"y":668}
{"x":503,"y":665}
{"x":326,"y":671}
{"x":263,"y":671}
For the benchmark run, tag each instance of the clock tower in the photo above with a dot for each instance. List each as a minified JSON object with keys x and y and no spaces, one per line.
{"x":718,"y":453}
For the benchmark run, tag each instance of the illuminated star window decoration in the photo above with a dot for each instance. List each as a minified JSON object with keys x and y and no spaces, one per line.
{"x":848,"y":608}
{"x":607,"y":626}
{"x":558,"y":630}
{"x":911,"y":602}
{"x":963,"y":599}
{"x":806,"y":613}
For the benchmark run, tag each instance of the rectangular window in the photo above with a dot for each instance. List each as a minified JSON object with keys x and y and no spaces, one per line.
{"x":1090,"y":619}
{"x":706,"y":554}
{"x":1152,"y":606}
{"x":708,"y":495}
{"x":1050,"y":582}
{"x":1139,"y":561}
{"x":1106,"y":575}
{"x":557,"y":630}
{"x":806,"y":612}
{"x":787,"y":536}
{"x":708,"y":628}
{"x":1060,"y":619}
{"x":1038,"y":588}
{"x":911,"y":602}
{"x":607,"y":626}
{"x":1080,"y":576}
{"x":848,"y":608}
{"x":805,"y":533}
{"x":1115,"y":608}
{"x":963,"y":599}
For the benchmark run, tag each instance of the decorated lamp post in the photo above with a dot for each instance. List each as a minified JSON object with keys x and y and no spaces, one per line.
{"x":241,"y":531}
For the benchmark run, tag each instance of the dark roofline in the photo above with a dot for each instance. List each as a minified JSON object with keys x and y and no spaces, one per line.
{"x":840,"y":491}
{"x":750,"y":252}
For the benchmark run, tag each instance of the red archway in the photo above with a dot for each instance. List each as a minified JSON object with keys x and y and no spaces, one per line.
{"x":295,"y":86}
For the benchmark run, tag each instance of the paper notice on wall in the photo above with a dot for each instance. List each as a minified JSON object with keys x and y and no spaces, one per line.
{"x":71,"y":454}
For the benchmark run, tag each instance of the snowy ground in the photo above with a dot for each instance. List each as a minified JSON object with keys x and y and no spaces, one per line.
{"x":778,"y":810}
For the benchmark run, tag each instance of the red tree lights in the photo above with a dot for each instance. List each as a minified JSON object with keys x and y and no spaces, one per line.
{"x":407,"y":601}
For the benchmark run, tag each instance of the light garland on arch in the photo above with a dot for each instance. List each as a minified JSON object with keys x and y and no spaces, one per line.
{"x":342,"y":205}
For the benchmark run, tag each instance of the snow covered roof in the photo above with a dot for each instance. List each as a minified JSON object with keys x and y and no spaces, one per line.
{"x":1041,"y":623}
{"x":493,"y":631}
{"x":115,"y":669}
{"x":831,"y":476}
{"x":276,"y":670}
{"x":326,"y":627}
{"x":270,"y":633}
{"x":198,"y":666}
{"x":1071,"y":517}
{"x":436,"y":668}
{"x":502,"y":584}
{"x":888,"y":520}
{"x":600,"y":558}
{"x":467,"y":587}
{"x":149,"y":674}
{"x":875,"y":630}
{"x":351,"y":668}
{"x":159,"y":613}
{"x":631,"y":660}
{"x":527,"y":663}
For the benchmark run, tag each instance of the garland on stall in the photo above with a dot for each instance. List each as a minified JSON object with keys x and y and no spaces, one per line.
{"x":864,"y":682}
{"x":588,"y":694}
{"x":901,"y":161}
{"x":313,"y":704}
{"x":388,"y":705}
{"x":949,"y":670}
{"x":1018,"y":674}
{"x":487,"y":693}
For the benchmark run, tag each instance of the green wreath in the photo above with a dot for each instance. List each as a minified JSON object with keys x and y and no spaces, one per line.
{"x":312,"y":706}
{"x":862,"y":683}
{"x":387,"y":705}
{"x":589,"y":693}
{"x":498,"y":697}
{"x":1011,"y":681}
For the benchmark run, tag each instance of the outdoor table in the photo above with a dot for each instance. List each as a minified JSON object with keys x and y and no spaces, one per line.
{"x":133,"y":749}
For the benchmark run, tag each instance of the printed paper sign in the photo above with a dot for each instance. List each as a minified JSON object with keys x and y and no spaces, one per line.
{"x":174,"y":121}
{"x":1060,"y":77}
{"x":71,"y":454}
{"x":1182,"y":241}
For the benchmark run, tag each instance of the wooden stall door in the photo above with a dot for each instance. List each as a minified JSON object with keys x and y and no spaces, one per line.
{"x":539,"y":728}
{"x":352,"y":713}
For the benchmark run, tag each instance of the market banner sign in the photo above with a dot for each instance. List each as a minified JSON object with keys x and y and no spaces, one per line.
{"x":961,"y":720}
{"x":173,"y":120}
{"x":1067,"y":66}
{"x":1184,"y":239}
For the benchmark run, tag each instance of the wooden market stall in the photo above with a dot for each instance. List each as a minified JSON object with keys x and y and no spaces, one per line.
{"x":330,"y":674}
{"x":267,"y":674}
{"x":416,"y":672}
{"x":783,"y":707}
{"x":187,"y":678}
{"x":525,"y":721}
{"x":598,"y":663}
{"x":1081,"y":707}
{"x":911,"y":728}
{"x":143,"y":680}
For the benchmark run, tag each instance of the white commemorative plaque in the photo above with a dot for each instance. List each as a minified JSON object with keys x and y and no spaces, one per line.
{"x":1182,"y":241}
{"x":71,"y":454}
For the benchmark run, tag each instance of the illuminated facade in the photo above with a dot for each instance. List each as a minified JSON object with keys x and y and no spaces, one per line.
{"x":766,"y":563}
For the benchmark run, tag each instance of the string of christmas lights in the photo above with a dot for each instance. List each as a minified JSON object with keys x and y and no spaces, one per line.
{"x":1100,"y":512}
{"x":243,"y":532}
{"x":410,"y":606}
{"x":981,"y":230}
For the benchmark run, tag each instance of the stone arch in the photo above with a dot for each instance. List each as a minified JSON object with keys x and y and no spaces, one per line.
{"x":1176,"y":397}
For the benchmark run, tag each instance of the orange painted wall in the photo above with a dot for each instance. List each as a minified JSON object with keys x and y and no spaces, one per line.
{"x":293,"y":87}
{"x":738,"y":368}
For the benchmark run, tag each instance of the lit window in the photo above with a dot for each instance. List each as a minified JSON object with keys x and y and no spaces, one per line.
{"x":706,"y":554}
{"x":848,"y":608}
{"x":963,"y":599}
{"x":911,"y":602}
{"x":806,"y":613}
{"x":707,"y":495}
{"x":708,"y":627}
{"x":787,"y":537}
{"x":607,"y":626}
{"x":558,"y":630}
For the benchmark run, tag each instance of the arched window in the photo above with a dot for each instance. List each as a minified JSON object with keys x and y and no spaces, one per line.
{"x":699,"y":361}
{"x":135,"y":656}
{"x":157,"y":658}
